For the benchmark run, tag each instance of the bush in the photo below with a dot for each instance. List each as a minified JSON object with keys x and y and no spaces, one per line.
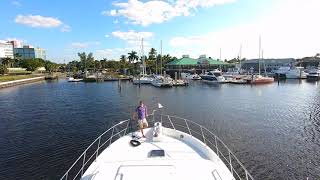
{"x":3,"y":70}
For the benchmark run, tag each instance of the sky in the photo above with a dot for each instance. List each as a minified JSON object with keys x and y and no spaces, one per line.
{"x":108,"y":29}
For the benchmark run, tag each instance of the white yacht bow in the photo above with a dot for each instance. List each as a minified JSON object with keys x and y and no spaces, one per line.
{"x":174,"y":148}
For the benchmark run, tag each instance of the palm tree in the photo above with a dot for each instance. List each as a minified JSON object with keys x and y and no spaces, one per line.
{"x":17,"y":58}
{"x":132,"y":56}
{"x":6,"y":61}
{"x":123,"y":58}
{"x":152,"y":54}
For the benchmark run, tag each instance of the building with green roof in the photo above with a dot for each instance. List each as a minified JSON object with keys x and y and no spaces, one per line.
{"x":202,"y":63}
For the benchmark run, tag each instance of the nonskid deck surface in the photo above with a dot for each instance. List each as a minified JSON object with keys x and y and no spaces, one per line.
{"x":123,"y":161}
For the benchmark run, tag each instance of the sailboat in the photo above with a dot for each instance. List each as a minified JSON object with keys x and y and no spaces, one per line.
{"x":143,"y":78}
{"x":259,"y":79}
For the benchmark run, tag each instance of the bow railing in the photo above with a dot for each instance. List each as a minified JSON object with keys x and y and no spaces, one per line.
{"x":194,"y":129}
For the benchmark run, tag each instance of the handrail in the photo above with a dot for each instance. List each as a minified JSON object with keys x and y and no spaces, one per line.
{"x":202,"y":132}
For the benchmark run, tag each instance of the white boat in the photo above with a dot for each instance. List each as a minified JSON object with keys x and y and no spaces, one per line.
{"x":161,"y":81}
{"x":314,"y":74}
{"x":71,"y":79}
{"x":174,"y":148}
{"x":214,"y":76}
{"x":144,"y":79}
{"x":291,"y":73}
{"x":190,"y":76}
{"x":231,"y":74}
{"x":180,"y":82}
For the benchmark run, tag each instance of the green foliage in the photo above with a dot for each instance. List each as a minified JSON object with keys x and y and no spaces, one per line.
{"x":133,"y":56}
{"x":87,"y":61}
{"x":50,"y":66}
{"x":152,"y":54}
{"x":7,"y":62}
{"x":31,"y":64}
{"x":3,"y":70}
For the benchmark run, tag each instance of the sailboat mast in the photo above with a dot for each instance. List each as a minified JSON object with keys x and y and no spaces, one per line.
{"x":259,"y":53}
{"x":240,"y":54}
{"x":161,"y":57}
{"x":143,"y":60}
{"x":264,"y":64}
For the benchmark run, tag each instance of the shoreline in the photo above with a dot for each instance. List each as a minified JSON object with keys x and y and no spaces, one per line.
{"x":20,"y":82}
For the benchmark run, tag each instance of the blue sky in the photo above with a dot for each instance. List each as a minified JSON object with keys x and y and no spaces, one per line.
{"x":195,"y":27}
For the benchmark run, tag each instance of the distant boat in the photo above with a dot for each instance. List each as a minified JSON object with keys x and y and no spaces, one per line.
{"x":259,"y":79}
{"x":238,"y":80}
{"x":314,"y":74}
{"x":290,"y":73}
{"x":190,"y":76}
{"x":214,"y":76}
{"x":144,"y":79}
{"x":71,"y":79}
{"x":180,"y":82}
{"x":161,"y":81}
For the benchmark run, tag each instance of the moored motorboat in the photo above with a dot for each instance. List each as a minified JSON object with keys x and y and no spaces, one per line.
{"x":290,"y":73}
{"x":180,"y":82}
{"x":171,"y":150}
{"x":71,"y":79}
{"x":190,"y":76}
{"x":214,"y":76}
{"x":161,"y":81}
{"x":314,"y":74}
{"x":142,"y":79}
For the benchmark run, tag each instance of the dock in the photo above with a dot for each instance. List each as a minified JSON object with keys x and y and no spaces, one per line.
{"x":20,"y":81}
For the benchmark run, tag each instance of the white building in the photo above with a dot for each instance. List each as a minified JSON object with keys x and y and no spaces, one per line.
{"x":6,"y":49}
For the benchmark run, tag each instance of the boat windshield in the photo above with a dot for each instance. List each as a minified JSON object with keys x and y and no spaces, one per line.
{"x":217,"y":74}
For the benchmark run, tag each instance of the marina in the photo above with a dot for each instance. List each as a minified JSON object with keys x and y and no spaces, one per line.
{"x":272,"y":138}
{"x":160,"y":90}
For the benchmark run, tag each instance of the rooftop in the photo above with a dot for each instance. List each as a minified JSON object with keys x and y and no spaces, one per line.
{"x":202,"y":60}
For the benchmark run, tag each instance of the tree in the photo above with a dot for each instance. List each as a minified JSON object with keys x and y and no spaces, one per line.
{"x":133,"y":56}
{"x":152,"y":54}
{"x":123,"y":58}
{"x":7,"y":62}
{"x":3,"y":69}
{"x":86,"y":60}
{"x":50,"y":66}
{"x":32,"y":64}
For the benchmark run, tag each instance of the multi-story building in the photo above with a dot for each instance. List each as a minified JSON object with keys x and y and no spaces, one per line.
{"x":6,"y":49}
{"x":268,"y":64}
{"x":29,"y":52}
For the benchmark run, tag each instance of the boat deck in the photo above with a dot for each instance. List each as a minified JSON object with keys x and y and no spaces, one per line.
{"x":181,"y":161}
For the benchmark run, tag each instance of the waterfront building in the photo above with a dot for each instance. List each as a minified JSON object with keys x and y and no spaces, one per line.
{"x":201,"y":64}
{"x":6,"y":49}
{"x":29,"y":52}
{"x":269,"y":64}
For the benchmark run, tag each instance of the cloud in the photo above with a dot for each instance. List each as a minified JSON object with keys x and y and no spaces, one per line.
{"x":115,"y":21}
{"x":65,"y":28}
{"x":285,"y":33}
{"x":132,"y":35}
{"x":107,"y":36}
{"x":16,"y":3}
{"x":38,"y":21}
{"x":84,"y":45}
{"x":156,"y":11}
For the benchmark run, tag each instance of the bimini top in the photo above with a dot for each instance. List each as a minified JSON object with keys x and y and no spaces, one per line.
{"x":174,"y":148}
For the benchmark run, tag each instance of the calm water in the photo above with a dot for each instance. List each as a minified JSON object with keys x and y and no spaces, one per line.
{"x":273,"y":129}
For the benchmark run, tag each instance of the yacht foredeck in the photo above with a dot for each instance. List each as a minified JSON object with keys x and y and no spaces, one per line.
{"x":181,"y":161}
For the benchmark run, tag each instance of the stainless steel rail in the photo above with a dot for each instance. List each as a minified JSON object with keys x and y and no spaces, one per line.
{"x":177,"y":123}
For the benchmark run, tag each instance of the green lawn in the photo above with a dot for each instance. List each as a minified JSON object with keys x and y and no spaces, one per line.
{"x":12,"y":78}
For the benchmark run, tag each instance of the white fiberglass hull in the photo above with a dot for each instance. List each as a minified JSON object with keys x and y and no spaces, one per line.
{"x":182,"y":156}
{"x":142,"y":81}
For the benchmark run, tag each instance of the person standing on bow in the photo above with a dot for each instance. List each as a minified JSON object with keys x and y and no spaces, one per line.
{"x":141,"y":111}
